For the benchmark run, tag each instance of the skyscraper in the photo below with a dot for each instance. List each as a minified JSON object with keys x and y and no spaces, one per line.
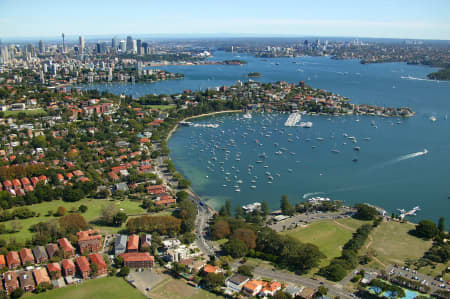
{"x":134,"y":46}
{"x":139,"y":46}
{"x":129,"y":43}
{"x":41,"y":47}
{"x":114,"y":43}
{"x":123,"y":46}
{"x":81,"y":38}
{"x":63,"y":44}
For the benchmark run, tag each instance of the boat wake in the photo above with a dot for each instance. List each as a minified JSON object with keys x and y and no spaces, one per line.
{"x":415,"y":78}
{"x":401,"y":158}
{"x":306,"y":195}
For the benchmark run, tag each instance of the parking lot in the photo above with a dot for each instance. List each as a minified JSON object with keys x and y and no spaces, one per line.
{"x":145,"y":280}
{"x":426,"y":280}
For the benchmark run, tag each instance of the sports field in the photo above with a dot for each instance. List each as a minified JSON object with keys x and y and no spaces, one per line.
{"x":94,"y":209}
{"x":107,"y":287}
{"x":177,"y":289}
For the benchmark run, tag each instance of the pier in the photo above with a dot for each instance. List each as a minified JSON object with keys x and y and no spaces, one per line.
{"x":412,"y":212}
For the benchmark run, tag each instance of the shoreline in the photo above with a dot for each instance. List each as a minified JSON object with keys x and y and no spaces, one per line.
{"x":197,"y":116}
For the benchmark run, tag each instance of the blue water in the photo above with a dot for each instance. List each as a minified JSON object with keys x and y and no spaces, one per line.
{"x":391,"y":171}
{"x":408,"y":293}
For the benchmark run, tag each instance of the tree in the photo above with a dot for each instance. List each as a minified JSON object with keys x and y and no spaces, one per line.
{"x":184,"y":183}
{"x":17,"y":293}
{"x":365,"y":212}
{"x":286,"y":207}
{"x":282,"y":295}
{"x":182,"y":195}
{"x":239,"y":212}
{"x":124,"y":271}
{"x":333,"y":272}
{"x":72,"y":223}
{"x":228,"y":208}
{"x":236,"y":248}
{"x":441,"y":224}
{"x":83,"y":208}
{"x":188,"y":238}
{"x":245,"y":270}
{"x":120,"y":218}
{"x":61,"y":211}
{"x":265,"y":209}
{"x":94,"y":269}
{"x":321,"y":291}
{"x":220,"y":230}
{"x":426,"y":229}
{"x":212,"y":281}
{"x":108,"y":212}
{"x":247,"y":236}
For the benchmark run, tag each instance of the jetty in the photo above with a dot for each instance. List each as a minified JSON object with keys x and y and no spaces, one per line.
{"x":293,"y":119}
{"x":411,"y":212}
{"x":191,"y":124}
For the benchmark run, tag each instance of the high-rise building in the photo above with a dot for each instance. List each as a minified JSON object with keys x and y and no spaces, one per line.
{"x":123,"y":46}
{"x":139,"y":46}
{"x":41,"y":47}
{"x":129,"y":43}
{"x":63,"y":44}
{"x":134,"y":46}
{"x":146,"y":49}
{"x":114,"y":43}
{"x":81,"y":50}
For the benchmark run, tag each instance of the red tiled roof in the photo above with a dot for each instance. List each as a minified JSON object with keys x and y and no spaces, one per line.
{"x":53,"y":267}
{"x":210,"y":269}
{"x":68,"y":264}
{"x":133,"y":242}
{"x":83,"y":263}
{"x":97,"y":259}
{"x":137,"y":257}
{"x":65,"y":244}
{"x":88,"y":235}
{"x":40,"y":275}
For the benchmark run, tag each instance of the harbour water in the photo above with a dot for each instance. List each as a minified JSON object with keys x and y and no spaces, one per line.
{"x":391,"y":171}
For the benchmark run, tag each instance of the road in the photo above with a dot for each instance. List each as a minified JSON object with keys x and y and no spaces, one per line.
{"x":334,"y":290}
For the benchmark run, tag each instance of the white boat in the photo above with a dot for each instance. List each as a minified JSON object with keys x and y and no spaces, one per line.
{"x":306,"y":124}
{"x":253,"y":187}
{"x":247,"y":115}
{"x":433,"y":118}
{"x":237,"y":190}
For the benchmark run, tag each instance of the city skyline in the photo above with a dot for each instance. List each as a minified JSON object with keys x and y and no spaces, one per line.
{"x":383,"y":19}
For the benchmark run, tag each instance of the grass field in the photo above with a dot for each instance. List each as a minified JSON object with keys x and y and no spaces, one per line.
{"x":393,"y":244}
{"x":30,"y":112}
{"x":178,"y":289}
{"x":328,"y":235}
{"x":107,"y":287}
{"x":94,"y":209}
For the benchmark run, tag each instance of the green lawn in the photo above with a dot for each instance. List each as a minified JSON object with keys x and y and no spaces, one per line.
{"x":178,"y":289}
{"x":94,"y":209}
{"x":328,"y":235}
{"x":107,"y":287}
{"x":30,"y":112}
{"x":393,"y":244}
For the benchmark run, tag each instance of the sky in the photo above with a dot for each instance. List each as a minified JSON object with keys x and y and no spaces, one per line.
{"x":415,"y":19}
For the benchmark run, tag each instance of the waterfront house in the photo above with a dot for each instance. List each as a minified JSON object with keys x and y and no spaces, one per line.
{"x":89,"y":241}
{"x":26,"y":281}
{"x":236,"y":282}
{"x":26,"y":256}
{"x":133,"y":243}
{"x":97,"y":259}
{"x":11,"y":282}
{"x":120,"y":244}
{"x":41,"y":276}
{"x":13,"y":260}
{"x":40,"y":254}
{"x":83,"y":266}
{"x":55,"y":270}
{"x":66,"y":247}
{"x":137,"y":259}
{"x":68,"y":267}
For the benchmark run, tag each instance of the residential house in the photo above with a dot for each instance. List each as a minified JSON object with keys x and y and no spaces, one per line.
{"x":11,"y":282}
{"x":97,"y":259}
{"x":68,"y":267}
{"x":52,"y":250}
{"x":83,"y":266}
{"x":120,"y":244}
{"x":2,"y":261}
{"x":146,"y":241}
{"x":133,"y":243}
{"x":177,"y":254}
{"x":211,"y":269}
{"x":55,"y":270}
{"x":40,"y":254}
{"x":13,"y":260}
{"x":165,"y":201}
{"x":307,"y":293}
{"x":66,"y":247}
{"x":89,"y":241}
{"x":26,"y":256}
{"x":294,"y":291}
{"x":236,"y":282}
{"x":270,"y":288}
{"x":156,"y":189}
{"x":26,"y":281}
{"x":137,"y":259}
{"x":41,"y":276}
{"x":253,"y":287}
